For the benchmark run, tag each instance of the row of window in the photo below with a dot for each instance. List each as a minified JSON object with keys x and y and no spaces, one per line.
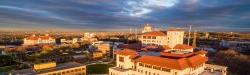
{"x":146,"y":72}
{"x":149,"y":37}
{"x":151,"y":41}
{"x":70,"y":71}
{"x":196,"y":67}
{"x":154,"y":67}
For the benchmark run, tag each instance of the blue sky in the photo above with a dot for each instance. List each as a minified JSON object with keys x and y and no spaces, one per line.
{"x":120,"y":15}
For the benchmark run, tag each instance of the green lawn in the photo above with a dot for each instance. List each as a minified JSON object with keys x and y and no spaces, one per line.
{"x":98,"y":69}
{"x":6,"y":69}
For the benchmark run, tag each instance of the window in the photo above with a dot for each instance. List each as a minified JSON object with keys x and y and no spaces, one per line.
{"x":141,"y":64}
{"x":144,"y":37}
{"x":63,"y":72}
{"x":166,"y":69}
{"x":149,"y":37}
{"x":83,"y":68}
{"x":121,"y":59}
{"x":153,"y":37}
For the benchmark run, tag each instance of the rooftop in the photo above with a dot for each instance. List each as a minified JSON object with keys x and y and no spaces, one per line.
{"x":58,"y":67}
{"x":174,"y":29}
{"x":183,"y":47}
{"x":179,"y":64}
{"x":126,"y":52}
{"x":155,"y":33}
{"x":38,"y":37}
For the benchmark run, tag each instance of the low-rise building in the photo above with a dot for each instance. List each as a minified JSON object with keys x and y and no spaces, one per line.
{"x":129,"y":62}
{"x":51,"y":68}
{"x":34,"y":40}
{"x":69,"y":41}
{"x":96,"y":55}
{"x":171,"y":37}
{"x":147,"y":28}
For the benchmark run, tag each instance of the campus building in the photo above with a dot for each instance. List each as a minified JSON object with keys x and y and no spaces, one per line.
{"x":129,"y":62}
{"x":51,"y":68}
{"x":69,"y":41}
{"x":172,"y":38}
{"x":147,"y":28}
{"x":34,"y":40}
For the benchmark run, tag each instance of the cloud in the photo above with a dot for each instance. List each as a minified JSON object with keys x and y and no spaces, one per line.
{"x":124,"y":14}
{"x":138,"y":8}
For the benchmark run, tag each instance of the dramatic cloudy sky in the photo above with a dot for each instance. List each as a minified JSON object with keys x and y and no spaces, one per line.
{"x":120,"y":15}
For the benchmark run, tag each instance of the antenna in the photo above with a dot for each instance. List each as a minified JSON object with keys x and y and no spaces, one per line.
{"x":189,"y":33}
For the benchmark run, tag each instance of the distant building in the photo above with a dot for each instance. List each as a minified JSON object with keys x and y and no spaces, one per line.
{"x":154,"y":38}
{"x":33,"y":40}
{"x":2,"y":50}
{"x":207,"y":35}
{"x":241,"y":46}
{"x":147,"y":28}
{"x":90,"y":37}
{"x":174,"y":37}
{"x":51,"y":68}
{"x":96,"y":55}
{"x":69,"y":41}
{"x":170,"y":38}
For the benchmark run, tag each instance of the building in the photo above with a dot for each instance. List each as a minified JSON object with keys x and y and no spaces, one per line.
{"x":241,"y":46}
{"x":104,"y":48}
{"x":129,"y":62}
{"x":96,"y":55}
{"x":51,"y":68}
{"x":147,"y":28}
{"x":33,"y":40}
{"x":171,"y":37}
{"x":69,"y":41}
{"x":89,"y":37}
{"x":154,"y":38}
{"x":174,"y":37}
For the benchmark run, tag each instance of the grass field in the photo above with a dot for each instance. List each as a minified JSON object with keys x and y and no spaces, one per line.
{"x":6,"y":69}
{"x":98,"y":69}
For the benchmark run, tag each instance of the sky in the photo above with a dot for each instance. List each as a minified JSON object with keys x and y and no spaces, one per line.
{"x":123,"y":15}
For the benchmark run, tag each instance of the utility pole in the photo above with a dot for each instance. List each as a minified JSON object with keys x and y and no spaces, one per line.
{"x":189,"y":34}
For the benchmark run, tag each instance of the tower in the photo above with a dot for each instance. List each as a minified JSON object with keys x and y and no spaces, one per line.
{"x":147,"y":28}
{"x":194,"y":39}
{"x":206,"y":35}
{"x":174,"y":37}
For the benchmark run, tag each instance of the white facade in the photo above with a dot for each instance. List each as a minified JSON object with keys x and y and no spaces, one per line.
{"x":33,"y":40}
{"x":126,"y":65}
{"x":147,"y":28}
{"x":154,"y":40}
{"x":171,"y":38}
{"x":73,"y":41}
{"x":174,"y":37}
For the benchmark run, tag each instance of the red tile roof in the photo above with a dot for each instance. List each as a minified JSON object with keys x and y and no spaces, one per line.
{"x":196,"y":60}
{"x":39,"y":37}
{"x":163,"y":62}
{"x":178,"y":64}
{"x":174,"y":29}
{"x":166,"y":47}
{"x":155,"y":33}
{"x":130,"y":46}
{"x":183,"y":47}
{"x":200,"y":52}
{"x":126,"y":52}
{"x":167,"y":54}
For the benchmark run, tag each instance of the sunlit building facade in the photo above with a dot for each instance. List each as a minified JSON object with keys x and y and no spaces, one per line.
{"x":51,"y":68}
{"x":33,"y":40}
{"x":129,"y":62}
